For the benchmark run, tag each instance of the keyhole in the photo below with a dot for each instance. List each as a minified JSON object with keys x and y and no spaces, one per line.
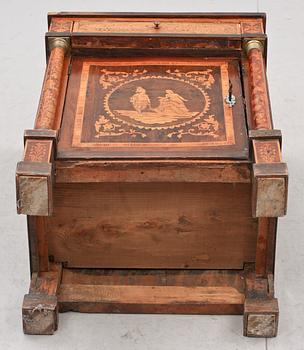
{"x":156,"y":25}
{"x":230,"y":98}
{"x":230,"y":90}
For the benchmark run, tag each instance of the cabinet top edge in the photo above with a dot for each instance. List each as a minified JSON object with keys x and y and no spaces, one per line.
{"x":207,"y":15}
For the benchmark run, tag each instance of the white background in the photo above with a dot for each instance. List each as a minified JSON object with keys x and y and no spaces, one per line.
{"x":22,"y":63}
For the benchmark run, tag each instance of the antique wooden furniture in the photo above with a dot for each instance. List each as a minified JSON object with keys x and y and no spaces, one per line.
{"x":153,"y":178}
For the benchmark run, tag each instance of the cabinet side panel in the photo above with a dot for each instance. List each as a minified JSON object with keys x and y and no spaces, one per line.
{"x":152,"y":225}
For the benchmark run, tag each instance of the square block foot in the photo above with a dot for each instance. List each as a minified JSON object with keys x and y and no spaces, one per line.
{"x":39,"y":314}
{"x":261,"y":318}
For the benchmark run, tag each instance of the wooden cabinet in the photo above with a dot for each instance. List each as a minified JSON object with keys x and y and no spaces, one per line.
{"x":153,"y":177}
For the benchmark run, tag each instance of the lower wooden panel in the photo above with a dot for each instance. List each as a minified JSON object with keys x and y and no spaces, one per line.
{"x":152,"y":291}
{"x":152,"y":225}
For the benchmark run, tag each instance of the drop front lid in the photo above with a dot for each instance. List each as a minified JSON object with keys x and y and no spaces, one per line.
{"x":153,"y":108}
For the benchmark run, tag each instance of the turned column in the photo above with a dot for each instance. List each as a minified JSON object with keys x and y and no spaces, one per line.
{"x":260,"y":105}
{"x":51,"y":86}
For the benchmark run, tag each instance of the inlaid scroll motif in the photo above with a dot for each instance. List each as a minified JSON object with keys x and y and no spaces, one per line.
{"x":209,"y":127}
{"x":205,"y":77}
{"x":104,"y":127}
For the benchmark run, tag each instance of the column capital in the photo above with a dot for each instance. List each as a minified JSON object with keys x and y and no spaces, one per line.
{"x":253,"y":44}
{"x":63,"y":42}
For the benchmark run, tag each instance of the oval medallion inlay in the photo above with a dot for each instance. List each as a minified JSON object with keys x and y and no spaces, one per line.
{"x":156,"y":102}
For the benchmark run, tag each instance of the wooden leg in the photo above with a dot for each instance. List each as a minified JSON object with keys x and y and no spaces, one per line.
{"x":40,"y":306}
{"x":42,"y":243}
{"x":261,"y":249}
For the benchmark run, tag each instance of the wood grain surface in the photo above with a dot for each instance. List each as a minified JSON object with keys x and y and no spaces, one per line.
{"x":155,"y":26}
{"x":156,"y":225}
{"x":150,"y":299}
{"x":145,"y":291}
{"x":83,"y":171}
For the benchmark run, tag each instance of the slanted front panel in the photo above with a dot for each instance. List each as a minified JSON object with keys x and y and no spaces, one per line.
{"x":150,"y":108}
{"x":155,"y":225}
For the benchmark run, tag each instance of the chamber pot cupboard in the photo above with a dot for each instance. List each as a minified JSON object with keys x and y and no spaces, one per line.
{"x":153,"y":178}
